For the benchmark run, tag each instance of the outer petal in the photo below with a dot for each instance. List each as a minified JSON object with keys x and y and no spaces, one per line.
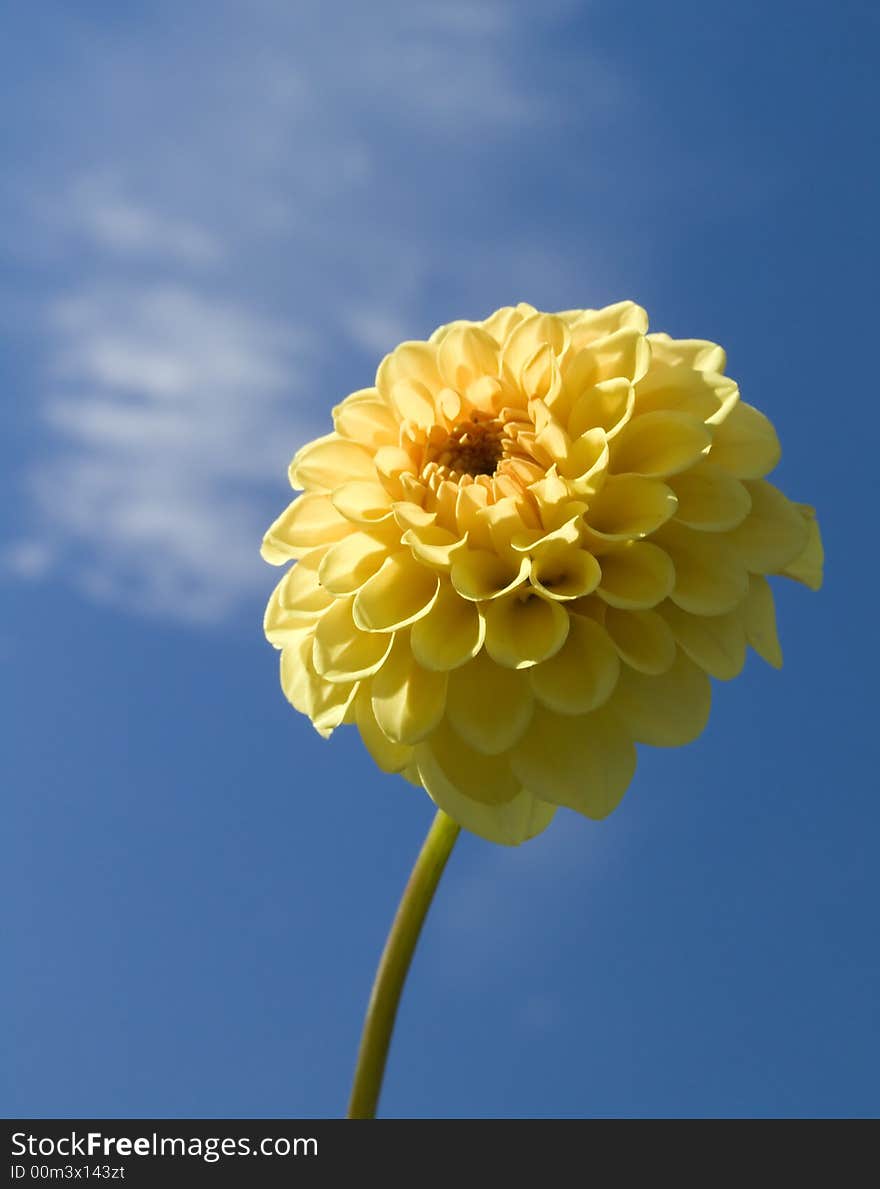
{"x":630,"y":506}
{"x":710,"y":499}
{"x":659,"y":444}
{"x":478,"y":574}
{"x":642,"y":638}
{"x":710,"y":577}
{"x":487,"y":706}
{"x":450,"y":634}
{"x":348,"y":564}
{"x":665,"y":711}
{"x":583,"y":763}
{"x":309,"y":521}
{"x":807,"y":566}
{"x":341,"y":651}
{"x":717,"y":643}
{"x":400,"y":593}
{"x":325,"y":704}
{"x":773,"y":534}
{"x":479,"y":792}
{"x":760,"y":621}
{"x":746,"y":444}
{"x":582,"y":675}
{"x":325,"y":463}
{"x":523,"y":628}
{"x":390,"y":757}
{"x":636,"y":575}
{"x":408,"y":701}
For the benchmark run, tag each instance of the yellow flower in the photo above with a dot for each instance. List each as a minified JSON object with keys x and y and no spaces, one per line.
{"x":526,"y":549}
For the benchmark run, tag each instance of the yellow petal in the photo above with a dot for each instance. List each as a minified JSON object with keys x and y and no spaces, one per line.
{"x":582,"y":674}
{"x":585,"y":763}
{"x":477,"y":574}
{"x":717,"y":643}
{"x":489,"y":707}
{"x":759,"y":615}
{"x":710,"y":499}
{"x":706,"y":395}
{"x":478,"y":791}
{"x":433,"y":546}
{"x":636,"y":575}
{"x":408,"y":701}
{"x":693,"y":353}
{"x":325,"y":704}
{"x":390,"y":757}
{"x":466,"y":354}
{"x":348,"y":564}
{"x":368,"y":422}
{"x":642,"y":638}
{"x":299,"y":591}
{"x":450,"y":634}
{"x":607,"y":405}
{"x":773,"y":534}
{"x":745,"y":444}
{"x":523,"y":628}
{"x":399,"y":594}
{"x":341,"y":652}
{"x":624,"y":354}
{"x":630,"y":506}
{"x":589,"y":325}
{"x":412,"y":360}
{"x":710,"y":577}
{"x":562,"y":572}
{"x":659,"y":444}
{"x":328,"y":462}
{"x":362,"y":502}
{"x":309,"y":521}
{"x":526,"y":341}
{"x":807,"y":566}
{"x":282,"y":626}
{"x":414,"y":402}
{"x":668,"y":710}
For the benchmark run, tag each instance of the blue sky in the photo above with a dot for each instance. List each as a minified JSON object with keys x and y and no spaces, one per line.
{"x":216,"y":217}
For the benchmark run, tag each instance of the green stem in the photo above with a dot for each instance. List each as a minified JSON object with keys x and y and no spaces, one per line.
{"x":394,"y":965}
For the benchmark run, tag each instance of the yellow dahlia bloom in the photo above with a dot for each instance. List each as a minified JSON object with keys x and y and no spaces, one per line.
{"x":527,"y":548}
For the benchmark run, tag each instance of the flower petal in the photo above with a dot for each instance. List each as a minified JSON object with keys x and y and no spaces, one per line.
{"x":362,"y":502}
{"x":341,"y":652}
{"x":773,"y":534}
{"x":659,"y":444}
{"x":582,"y":674}
{"x":400,"y":593}
{"x":710,"y":577}
{"x":710,"y":499}
{"x":636,"y":575}
{"x":717,"y":643}
{"x":607,"y":405}
{"x":585,"y":763}
{"x":478,"y":791}
{"x":487,"y":706}
{"x":668,"y":710}
{"x":308,"y":521}
{"x":693,"y":353}
{"x":807,"y":566}
{"x":561,"y":572}
{"x":348,"y":564}
{"x":324,"y":464}
{"x":390,"y":757}
{"x":325,"y":704}
{"x":408,"y":701}
{"x":450,"y":634}
{"x":745,"y":444}
{"x":760,"y":621}
{"x":642,"y":638}
{"x":478,"y":574}
{"x":629,"y":506}
{"x":523,"y":628}
{"x":369,"y":422}
{"x":465,"y":354}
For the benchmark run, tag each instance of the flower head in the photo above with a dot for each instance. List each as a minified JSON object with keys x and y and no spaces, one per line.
{"x":527,"y":548}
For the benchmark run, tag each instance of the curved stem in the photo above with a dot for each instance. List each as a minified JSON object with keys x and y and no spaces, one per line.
{"x":394,"y":965}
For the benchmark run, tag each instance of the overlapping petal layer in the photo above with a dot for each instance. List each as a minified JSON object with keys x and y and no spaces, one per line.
{"x":527,"y":548}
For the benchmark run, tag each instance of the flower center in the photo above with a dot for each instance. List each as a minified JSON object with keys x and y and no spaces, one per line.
{"x":471,"y":448}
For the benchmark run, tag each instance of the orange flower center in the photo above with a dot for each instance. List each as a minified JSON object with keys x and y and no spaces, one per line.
{"x":470,"y":448}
